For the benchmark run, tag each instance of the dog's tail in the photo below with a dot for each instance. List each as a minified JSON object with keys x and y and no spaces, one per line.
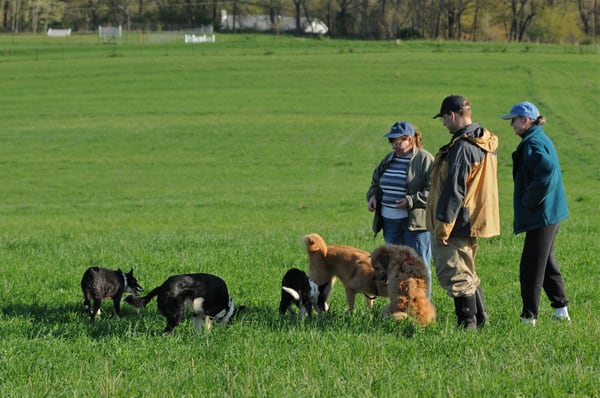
{"x":291,"y":292}
{"x":140,"y":302}
{"x":315,"y":243}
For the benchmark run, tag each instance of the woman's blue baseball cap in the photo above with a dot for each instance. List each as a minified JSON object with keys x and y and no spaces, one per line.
{"x":526,"y":109}
{"x":399,"y":129}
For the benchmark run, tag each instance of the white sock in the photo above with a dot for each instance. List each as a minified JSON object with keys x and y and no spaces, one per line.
{"x":562,"y":313}
{"x":528,"y":321}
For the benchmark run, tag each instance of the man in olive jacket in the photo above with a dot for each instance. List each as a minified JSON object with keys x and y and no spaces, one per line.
{"x":463,"y":206}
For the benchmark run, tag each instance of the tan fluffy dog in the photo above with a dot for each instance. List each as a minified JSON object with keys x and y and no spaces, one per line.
{"x":350,"y":265}
{"x":407,"y":282}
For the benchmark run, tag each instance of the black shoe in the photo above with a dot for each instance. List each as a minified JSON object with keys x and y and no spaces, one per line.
{"x":481,"y":315}
{"x":466,"y":309}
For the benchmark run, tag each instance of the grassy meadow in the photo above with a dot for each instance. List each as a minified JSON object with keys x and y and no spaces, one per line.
{"x":171,"y":158}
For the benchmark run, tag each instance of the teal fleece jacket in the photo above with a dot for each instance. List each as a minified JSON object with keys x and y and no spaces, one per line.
{"x":539,"y":198}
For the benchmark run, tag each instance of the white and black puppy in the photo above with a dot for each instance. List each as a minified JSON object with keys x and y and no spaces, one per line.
{"x":205,"y":294}
{"x":99,"y":283}
{"x":297,"y":289}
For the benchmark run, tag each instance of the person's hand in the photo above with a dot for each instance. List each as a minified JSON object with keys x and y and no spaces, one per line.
{"x":372,"y":204}
{"x":402,"y":203}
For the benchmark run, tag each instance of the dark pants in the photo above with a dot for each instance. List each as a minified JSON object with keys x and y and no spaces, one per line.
{"x":538,"y":270}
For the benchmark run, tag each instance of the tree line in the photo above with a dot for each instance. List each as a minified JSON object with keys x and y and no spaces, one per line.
{"x":548,"y":21}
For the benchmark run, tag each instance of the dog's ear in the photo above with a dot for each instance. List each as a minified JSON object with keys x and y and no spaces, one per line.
{"x":381,"y":256}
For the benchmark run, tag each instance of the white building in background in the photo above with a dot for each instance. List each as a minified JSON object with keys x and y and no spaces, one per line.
{"x":262,"y":23}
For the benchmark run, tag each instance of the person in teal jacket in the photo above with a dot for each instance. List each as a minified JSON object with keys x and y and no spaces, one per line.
{"x":540,"y":204}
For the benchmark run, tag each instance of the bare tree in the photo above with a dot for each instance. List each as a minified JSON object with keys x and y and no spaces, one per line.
{"x":596,"y":18}
{"x":433,"y":20}
{"x":5,"y":8}
{"x":94,"y":7}
{"x":17,"y":16}
{"x":365,"y":27}
{"x":522,"y":13}
{"x":236,"y":14}
{"x":454,"y":10}
{"x":475,"y":26}
{"x":419,"y":12}
{"x":481,"y":10}
{"x":274,"y":11}
{"x":589,"y":13}
{"x":215,"y":13}
{"x":344,"y":18}
{"x":297,"y":7}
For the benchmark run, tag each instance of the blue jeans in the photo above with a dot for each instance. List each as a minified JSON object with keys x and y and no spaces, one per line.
{"x":396,"y":232}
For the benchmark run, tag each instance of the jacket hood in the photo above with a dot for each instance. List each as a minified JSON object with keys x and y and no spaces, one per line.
{"x":481,"y":137}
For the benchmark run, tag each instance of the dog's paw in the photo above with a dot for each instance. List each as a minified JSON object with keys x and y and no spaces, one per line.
{"x":399,"y":315}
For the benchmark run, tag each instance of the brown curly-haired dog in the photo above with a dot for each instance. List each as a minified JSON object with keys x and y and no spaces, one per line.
{"x":350,"y":265}
{"x":407,"y":282}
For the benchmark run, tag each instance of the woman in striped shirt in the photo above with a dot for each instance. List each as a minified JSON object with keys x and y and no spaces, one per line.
{"x":399,"y":191}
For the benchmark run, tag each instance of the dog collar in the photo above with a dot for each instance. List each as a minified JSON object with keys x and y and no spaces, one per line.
{"x":125,"y":286}
{"x":224,"y":315}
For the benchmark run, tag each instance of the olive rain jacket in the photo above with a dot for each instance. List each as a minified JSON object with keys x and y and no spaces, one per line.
{"x":463,"y":201}
{"x":417,"y":190}
{"x":539,"y":199}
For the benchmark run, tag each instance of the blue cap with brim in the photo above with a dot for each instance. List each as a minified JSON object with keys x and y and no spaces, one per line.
{"x":401,"y":128}
{"x":526,"y":109}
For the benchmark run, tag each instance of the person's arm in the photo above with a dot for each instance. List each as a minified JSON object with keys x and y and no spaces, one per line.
{"x":418,"y":199}
{"x":453,"y":191}
{"x":539,"y":165}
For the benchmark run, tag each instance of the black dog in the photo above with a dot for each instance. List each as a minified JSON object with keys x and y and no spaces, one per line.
{"x":206,"y":295}
{"x":99,"y":283}
{"x":297,"y":289}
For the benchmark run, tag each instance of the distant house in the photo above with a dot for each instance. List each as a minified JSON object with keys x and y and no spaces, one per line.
{"x":262,"y":23}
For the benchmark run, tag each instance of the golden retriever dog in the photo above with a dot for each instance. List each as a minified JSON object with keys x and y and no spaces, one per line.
{"x":350,"y":265}
{"x":407,"y":282}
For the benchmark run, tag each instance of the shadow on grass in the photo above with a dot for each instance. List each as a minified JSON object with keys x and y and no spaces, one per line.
{"x":40,"y":312}
{"x":36,"y":320}
{"x":332,"y":321}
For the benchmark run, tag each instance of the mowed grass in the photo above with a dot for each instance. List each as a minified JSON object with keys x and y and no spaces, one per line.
{"x":171,"y":158}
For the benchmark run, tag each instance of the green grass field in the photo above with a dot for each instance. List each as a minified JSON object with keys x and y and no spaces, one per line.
{"x":173,"y":158}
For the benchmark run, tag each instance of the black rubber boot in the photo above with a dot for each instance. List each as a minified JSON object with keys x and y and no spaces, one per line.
{"x":482,"y":316}
{"x":466,"y":308}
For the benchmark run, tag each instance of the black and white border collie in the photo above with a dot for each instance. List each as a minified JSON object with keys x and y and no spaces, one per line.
{"x":205,"y":294}
{"x":100,"y":283}
{"x":298,"y":290}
